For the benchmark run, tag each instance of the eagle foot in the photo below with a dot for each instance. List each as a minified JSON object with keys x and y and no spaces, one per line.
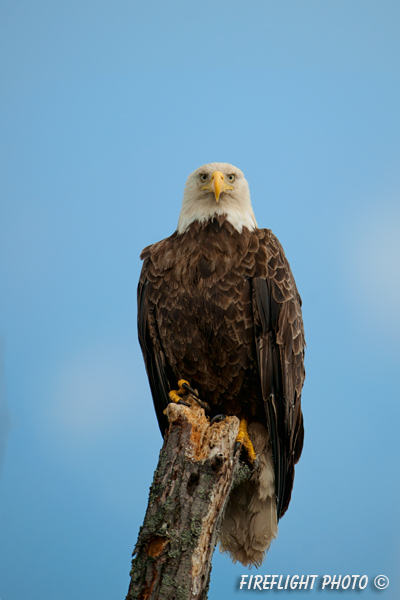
{"x":243,"y":440}
{"x":184,"y":388}
{"x":185,"y":385}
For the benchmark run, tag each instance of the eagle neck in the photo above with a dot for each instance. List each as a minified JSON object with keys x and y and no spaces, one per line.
{"x":237,"y":216}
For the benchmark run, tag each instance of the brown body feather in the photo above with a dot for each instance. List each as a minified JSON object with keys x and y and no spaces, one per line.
{"x":221,"y":309}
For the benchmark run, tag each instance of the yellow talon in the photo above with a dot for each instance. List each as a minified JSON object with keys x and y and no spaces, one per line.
{"x":184,"y":390}
{"x":181,"y":388}
{"x":244,"y":439}
{"x":174,"y":395}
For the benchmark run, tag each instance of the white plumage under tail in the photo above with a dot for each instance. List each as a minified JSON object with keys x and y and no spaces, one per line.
{"x":250,"y":524}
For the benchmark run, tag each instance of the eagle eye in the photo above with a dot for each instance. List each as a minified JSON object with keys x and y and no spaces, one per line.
{"x":203,"y":177}
{"x":231,"y":178}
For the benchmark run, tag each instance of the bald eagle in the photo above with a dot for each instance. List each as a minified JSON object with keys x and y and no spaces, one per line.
{"x":218,"y":306}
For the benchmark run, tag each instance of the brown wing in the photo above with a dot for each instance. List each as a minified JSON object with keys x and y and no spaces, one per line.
{"x":158,"y":370}
{"x":280,"y":348}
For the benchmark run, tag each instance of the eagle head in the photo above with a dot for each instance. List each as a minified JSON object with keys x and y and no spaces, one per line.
{"x":217,"y":189}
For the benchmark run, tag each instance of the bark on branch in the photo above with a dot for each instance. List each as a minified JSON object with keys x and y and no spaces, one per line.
{"x":192,"y":482}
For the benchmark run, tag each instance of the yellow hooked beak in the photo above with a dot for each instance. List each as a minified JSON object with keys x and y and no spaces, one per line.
{"x":218,"y":184}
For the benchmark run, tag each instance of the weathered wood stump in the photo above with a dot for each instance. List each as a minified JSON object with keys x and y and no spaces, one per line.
{"x":195,"y":473}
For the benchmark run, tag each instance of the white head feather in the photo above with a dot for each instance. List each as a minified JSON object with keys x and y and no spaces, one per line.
{"x":201,"y":205}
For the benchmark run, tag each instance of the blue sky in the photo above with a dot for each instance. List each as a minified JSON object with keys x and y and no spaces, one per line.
{"x":106,"y":107}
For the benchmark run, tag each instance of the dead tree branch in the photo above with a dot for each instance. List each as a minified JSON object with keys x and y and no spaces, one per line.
{"x":195,"y":473}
